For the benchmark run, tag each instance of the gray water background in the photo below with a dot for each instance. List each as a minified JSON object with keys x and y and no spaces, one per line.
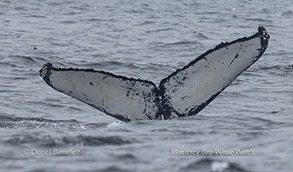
{"x":149,"y":40}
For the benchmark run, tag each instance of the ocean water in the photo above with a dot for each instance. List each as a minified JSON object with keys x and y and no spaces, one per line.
{"x":248,"y":128}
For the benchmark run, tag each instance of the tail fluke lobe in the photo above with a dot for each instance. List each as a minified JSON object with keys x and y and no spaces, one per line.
{"x":120,"y":97}
{"x":190,"y":89}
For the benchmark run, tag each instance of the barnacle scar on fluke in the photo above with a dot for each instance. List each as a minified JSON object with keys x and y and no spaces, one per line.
{"x":183,"y":93}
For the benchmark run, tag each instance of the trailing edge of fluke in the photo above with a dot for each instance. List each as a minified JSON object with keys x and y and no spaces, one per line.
{"x":183,"y":93}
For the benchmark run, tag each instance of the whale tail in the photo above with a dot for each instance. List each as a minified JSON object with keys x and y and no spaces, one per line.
{"x":183,"y":93}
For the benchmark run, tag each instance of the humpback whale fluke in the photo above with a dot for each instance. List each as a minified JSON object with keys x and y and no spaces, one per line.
{"x":183,"y":93}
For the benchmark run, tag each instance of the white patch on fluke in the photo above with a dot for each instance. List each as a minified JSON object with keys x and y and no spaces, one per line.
{"x":185,"y":92}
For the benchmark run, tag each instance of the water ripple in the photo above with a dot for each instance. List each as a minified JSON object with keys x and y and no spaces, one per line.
{"x":61,"y":141}
{"x":210,"y":165}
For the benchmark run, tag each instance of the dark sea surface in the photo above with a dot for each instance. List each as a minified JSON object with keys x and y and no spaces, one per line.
{"x":42,"y":130}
